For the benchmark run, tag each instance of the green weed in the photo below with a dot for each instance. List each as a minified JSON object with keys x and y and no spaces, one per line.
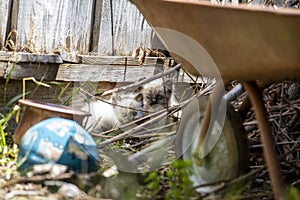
{"x":173,"y":183}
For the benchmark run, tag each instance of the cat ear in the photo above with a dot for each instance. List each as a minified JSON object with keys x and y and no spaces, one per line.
{"x":139,"y":97}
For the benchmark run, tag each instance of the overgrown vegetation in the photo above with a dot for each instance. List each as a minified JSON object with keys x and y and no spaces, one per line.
{"x":169,"y":183}
{"x":11,"y":113}
{"x":172,"y":182}
{"x":8,"y":150}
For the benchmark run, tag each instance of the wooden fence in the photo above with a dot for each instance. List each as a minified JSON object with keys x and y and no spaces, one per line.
{"x":103,"y":27}
{"x":84,"y":44}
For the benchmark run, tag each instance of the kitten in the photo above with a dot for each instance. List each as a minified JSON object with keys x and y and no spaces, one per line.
{"x":120,"y":109}
{"x":157,"y":95}
{"x":128,"y":107}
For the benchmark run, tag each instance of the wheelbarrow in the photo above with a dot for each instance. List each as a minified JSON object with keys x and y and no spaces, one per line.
{"x":232,"y":43}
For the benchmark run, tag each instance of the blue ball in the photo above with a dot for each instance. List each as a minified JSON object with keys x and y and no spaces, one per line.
{"x":61,"y":141}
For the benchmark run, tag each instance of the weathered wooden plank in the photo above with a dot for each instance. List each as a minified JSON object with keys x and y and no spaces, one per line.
{"x":117,"y":60}
{"x":4,"y":15}
{"x":45,"y":26}
{"x":3,"y":66}
{"x":69,"y":57}
{"x":82,"y":72}
{"x":29,"y":57}
{"x":111,"y":68}
{"x":23,"y":70}
{"x":105,"y":60}
{"x":97,"y":15}
{"x":94,"y":73}
{"x":122,"y":29}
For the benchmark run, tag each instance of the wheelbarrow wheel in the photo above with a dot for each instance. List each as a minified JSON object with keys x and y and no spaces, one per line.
{"x":227,"y":159}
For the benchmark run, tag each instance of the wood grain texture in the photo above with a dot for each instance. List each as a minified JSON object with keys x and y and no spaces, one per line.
{"x":97,"y":15}
{"x":3,"y":66}
{"x":111,"y":73}
{"x":4,"y":15}
{"x":122,"y":31}
{"x":45,"y":26}
{"x":69,"y":57}
{"x":118,"y":60}
{"x":20,"y":65}
{"x":29,"y":57}
{"x":75,"y":26}
{"x":23,"y":70}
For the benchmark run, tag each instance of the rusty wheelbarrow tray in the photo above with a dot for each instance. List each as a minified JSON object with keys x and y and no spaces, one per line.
{"x":245,"y":43}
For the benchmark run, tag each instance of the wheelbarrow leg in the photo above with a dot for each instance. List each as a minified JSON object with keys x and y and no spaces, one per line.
{"x":270,"y":155}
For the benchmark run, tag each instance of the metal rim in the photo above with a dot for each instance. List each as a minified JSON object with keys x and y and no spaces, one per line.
{"x":227,"y":160}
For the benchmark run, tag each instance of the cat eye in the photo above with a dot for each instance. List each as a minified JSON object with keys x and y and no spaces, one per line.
{"x":134,"y":114}
{"x":148,"y":97}
{"x":159,"y":97}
